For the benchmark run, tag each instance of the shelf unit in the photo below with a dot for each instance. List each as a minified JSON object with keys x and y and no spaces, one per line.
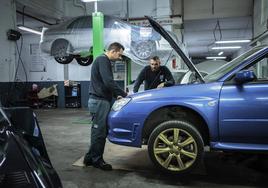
{"x":50,"y":102}
{"x":73,"y":96}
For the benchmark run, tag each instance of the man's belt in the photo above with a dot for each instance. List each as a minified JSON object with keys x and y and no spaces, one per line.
{"x":96,"y":96}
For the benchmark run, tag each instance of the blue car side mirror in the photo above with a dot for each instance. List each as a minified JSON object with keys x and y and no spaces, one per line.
{"x":244,"y":76}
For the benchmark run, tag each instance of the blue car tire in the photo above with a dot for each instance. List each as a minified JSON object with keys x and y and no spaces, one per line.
{"x":175,"y":147}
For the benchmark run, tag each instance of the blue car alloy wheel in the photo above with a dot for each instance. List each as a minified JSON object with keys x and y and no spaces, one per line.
{"x":175,"y":147}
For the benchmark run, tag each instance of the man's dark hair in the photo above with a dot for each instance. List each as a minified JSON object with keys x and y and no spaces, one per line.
{"x":155,"y":58}
{"x":116,"y":46}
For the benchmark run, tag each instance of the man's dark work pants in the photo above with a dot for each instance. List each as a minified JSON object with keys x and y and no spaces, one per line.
{"x":99,"y":109}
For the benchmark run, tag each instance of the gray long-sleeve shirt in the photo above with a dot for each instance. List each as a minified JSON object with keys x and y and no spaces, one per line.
{"x":102,"y":84}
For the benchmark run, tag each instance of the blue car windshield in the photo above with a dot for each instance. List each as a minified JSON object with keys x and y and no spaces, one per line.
{"x":220,"y":72}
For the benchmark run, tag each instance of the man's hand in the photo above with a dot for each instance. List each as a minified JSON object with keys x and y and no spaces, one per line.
{"x":161,"y":85}
{"x":119,"y":97}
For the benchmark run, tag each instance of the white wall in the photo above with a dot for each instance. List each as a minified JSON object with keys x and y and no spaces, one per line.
{"x":137,"y":8}
{"x":39,"y":67}
{"x":7,"y":51}
{"x":42,"y":67}
{"x":78,"y":72}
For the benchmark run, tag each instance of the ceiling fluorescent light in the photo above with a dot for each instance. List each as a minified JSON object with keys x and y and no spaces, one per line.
{"x":220,"y":53}
{"x":231,"y":41}
{"x":216,"y":57}
{"x":29,"y":30}
{"x":225,"y":47}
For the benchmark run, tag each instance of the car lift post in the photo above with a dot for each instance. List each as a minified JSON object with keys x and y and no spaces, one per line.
{"x":97,"y":20}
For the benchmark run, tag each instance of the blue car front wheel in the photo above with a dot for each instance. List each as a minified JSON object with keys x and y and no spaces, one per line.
{"x":175,"y":146}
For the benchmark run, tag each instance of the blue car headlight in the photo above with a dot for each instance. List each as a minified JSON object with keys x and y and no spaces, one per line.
{"x":120,"y":103}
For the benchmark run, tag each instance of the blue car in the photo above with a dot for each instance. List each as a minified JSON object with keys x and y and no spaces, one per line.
{"x":226,"y":110}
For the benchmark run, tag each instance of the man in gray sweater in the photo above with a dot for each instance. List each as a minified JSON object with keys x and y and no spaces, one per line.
{"x":101,"y":91}
{"x":154,"y":75}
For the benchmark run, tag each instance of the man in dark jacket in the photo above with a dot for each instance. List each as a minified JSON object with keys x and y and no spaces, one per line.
{"x":102,"y":89}
{"x":154,"y":75}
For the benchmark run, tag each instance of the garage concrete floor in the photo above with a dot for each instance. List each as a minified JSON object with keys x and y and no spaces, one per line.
{"x":66,"y":135}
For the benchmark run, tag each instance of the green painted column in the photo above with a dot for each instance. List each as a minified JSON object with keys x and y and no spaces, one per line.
{"x":98,"y":44}
{"x":128,"y":61}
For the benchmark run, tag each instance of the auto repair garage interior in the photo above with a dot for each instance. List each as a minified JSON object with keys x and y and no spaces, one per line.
{"x":208,"y":130}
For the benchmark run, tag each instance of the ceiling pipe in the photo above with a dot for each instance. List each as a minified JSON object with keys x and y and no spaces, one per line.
{"x":182,"y":19}
{"x":83,"y":6}
{"x":35,"y":18}
{"x":143,"y":18}
{"x":127,"y":11}
{"x":259,"y":38}
{"x":213,"y":7}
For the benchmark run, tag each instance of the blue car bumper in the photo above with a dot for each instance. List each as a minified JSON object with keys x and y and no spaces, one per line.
{"x":125,"y":130}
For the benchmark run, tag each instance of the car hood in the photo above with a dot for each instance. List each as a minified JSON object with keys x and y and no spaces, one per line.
{"x":180,"y":91}
{"x":157,"y":27}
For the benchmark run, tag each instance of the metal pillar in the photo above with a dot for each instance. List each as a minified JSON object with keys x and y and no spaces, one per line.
{"x":98,"y":44}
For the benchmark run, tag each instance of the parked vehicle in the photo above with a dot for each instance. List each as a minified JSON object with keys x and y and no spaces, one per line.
{"x":205,"y":68}
{"x":73,"y":39}
{"x":186,"y":76}
{"x":24,"y":161}
{"x":226,"y":110}
{"x":210,"y":66}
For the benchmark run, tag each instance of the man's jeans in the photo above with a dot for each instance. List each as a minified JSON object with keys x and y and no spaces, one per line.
{"x":99,"y":109}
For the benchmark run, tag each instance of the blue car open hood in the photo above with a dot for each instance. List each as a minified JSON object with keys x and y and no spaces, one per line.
{"x":157,"y":27}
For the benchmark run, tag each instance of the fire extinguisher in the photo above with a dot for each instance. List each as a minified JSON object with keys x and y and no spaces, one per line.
{"x":174,"y":64}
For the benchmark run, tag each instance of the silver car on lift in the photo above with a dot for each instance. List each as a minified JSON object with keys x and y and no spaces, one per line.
{"x":72,"y":39}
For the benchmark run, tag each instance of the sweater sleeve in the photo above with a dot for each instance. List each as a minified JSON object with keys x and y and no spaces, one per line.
{"x":139,"y":80}
{"x":169,"y":78}
{"x":108,"y":79}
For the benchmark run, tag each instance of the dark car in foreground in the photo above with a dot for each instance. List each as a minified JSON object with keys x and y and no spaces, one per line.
{"x":24,"y":162}
{"x":226,"y":110}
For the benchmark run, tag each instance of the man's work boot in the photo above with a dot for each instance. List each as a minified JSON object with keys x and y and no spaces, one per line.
{"x":87,"y":162}
{"x":102,"y":165}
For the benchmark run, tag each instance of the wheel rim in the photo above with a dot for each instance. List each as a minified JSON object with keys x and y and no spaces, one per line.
{"x":84,"y":61}
{"x":61,"y":50}
{"x":175,"y":149}
{"x":144,"y":50}
{"x":61,"y":59}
